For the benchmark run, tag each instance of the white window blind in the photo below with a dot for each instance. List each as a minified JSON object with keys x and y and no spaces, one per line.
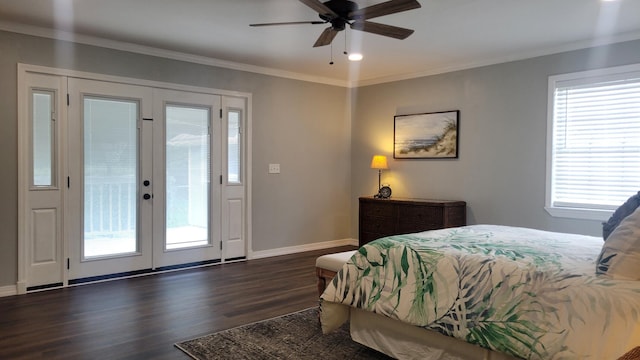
{"x":595,"y":153}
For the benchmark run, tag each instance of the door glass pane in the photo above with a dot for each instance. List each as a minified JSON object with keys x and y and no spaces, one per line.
{"x":187,"y":176}
{"x":110,"y":176}
{"x":233,"y":147}
{"x":43,"y":144}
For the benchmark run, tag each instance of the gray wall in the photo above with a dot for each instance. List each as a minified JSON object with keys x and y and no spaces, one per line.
{"x":502,"y":143}
{"x":303,"y":126}
{"x":324,"y":140}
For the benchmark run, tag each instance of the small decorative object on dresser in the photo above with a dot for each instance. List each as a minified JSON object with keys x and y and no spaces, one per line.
{"x":384,"y":192}
{"x":385,"y":217}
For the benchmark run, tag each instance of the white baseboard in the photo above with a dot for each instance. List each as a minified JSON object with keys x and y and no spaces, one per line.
{"x":301,"y":248}
{"x":8,"y":290}
{"x":13,"y":289}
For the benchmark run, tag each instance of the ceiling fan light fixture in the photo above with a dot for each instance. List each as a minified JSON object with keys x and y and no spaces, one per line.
{"x":355,"y":57}
{"x":340,"y":13}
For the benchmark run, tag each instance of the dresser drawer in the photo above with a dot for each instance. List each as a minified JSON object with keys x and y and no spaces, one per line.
{"x":420,"y":215}
{"x":406,"y":228}
{"x":379,"y":209}
{"x":456,"y":216}
{"x":377,"y":225}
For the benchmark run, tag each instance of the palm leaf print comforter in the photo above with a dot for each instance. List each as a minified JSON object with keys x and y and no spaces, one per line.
{"x":528,"y":293}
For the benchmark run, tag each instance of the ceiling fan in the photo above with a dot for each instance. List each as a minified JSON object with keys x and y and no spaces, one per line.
{"x":341,"y":13}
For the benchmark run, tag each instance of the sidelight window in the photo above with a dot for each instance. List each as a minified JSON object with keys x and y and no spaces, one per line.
{"x":234,"y":147}
{"x":43,"y":138}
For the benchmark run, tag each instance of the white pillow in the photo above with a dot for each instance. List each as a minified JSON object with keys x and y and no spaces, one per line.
{"x":620,"y":255}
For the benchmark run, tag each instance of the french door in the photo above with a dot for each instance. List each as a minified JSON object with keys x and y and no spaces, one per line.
{"x":140,"y":168}
{"x":118,"y":177}
{"x":186,"y":214}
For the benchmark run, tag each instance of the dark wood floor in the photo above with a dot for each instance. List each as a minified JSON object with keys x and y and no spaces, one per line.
{"x":141,"y":318}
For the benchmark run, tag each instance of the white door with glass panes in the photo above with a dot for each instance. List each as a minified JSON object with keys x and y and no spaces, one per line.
{"x":141,"y":195}
{"x":234,"y":183}
{"x":187,"y":150}
{"x":42,"y":99}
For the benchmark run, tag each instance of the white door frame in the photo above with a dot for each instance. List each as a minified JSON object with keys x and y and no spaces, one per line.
{"x":24,"y":163}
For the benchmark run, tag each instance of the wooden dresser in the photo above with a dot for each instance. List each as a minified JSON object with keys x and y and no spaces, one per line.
{"x":384,"y":217}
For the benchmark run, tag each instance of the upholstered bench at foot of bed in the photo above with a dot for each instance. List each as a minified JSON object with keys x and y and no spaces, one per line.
{"x":328,"y":265}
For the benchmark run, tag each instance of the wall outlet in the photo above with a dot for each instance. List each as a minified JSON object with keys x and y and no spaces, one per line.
{"x":274,"y":168}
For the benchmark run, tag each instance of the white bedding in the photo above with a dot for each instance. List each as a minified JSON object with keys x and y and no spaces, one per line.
{"x":523,"y":292}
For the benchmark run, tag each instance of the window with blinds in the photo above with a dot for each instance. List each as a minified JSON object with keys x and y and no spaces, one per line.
{"x":593,"y":163}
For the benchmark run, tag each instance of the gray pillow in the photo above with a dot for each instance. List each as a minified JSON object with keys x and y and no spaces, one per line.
{"x":622,"y":212}
{"x":620,"y":255}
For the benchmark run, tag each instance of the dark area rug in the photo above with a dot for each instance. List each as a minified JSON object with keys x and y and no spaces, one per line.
{"x":292,"y":336}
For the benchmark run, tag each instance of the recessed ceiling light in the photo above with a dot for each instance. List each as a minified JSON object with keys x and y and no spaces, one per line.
{"x":355,"y":57}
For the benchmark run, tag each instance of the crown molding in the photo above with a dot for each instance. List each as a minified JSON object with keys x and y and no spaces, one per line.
{"x":203,"y":60}
{"x":585,"y":44}
{"x":163,"y":53}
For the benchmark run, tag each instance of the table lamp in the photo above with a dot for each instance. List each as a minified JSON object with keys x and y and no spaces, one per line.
{"x":379,"y":162}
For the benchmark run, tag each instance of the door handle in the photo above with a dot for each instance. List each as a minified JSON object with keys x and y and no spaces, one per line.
{"x":146,"y":196}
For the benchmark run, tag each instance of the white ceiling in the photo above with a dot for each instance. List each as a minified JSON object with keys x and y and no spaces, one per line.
{"x":449,"y":34}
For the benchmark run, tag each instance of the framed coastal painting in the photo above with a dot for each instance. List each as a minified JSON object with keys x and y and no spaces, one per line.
{"x":426,"y":136}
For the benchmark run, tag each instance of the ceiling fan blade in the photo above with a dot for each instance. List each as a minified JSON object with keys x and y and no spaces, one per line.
{"x":319,"y":7}
{"x":326,"y":37}
{"x":290,"y":23}
{"x":385,"y":8}
{"x":382,"y":29}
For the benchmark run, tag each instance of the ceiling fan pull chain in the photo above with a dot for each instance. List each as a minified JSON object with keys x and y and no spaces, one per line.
{"x":345,"y":43}
{"x":331,"y":62}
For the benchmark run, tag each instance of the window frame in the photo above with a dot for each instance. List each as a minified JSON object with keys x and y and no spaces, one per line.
{"x":585,"y":77}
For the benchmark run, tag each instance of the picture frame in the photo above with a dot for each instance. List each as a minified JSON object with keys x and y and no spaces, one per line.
{"x":426,"y":136}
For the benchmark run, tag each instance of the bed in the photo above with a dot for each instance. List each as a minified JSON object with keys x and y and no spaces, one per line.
{"x":485,"y":292}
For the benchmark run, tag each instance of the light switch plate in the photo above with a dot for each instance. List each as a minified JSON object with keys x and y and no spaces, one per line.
{"x":274,"y":168}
